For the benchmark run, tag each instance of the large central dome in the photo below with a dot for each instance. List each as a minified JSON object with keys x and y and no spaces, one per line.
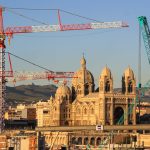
{"x":83,"y":81}
{"x":83,"y":75}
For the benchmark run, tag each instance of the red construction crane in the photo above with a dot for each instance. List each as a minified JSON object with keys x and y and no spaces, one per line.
{"x":22,"y":76}
{"x":10,"y":31}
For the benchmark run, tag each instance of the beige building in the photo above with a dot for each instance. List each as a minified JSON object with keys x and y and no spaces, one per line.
{"x":81,"y":105}
{"x":144,"y":109}
{"x":21,"y":112}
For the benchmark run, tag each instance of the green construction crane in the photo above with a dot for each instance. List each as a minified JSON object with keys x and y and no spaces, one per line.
{"x":145,"y":31}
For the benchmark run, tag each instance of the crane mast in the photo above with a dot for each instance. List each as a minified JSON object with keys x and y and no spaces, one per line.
{"x":10,"y":31}
{"x":2,"y":71}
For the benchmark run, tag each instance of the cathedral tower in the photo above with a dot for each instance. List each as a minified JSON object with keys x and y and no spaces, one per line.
{"x":128,"y":82}
{"x":83,"y":81}
{"x":105,"y":97}
{"x":106,"y":81}
{"x":63,"y":105}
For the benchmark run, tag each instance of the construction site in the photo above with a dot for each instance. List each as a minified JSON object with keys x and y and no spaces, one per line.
{"x":84,"y":112}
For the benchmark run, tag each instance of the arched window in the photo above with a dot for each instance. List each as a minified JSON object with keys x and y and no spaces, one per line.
{"x":66,"y":123}
{"x":98,"y":141}
{"x":130,"y":87}
{"x":78,"y":89}
{"x":92,"y":141}
{"x":78,"y":110}
{"x":85,"y":111}
{"x":92,"y":110}
{"x":80,"y":141}
{"x":86,"y":89}
{"x":123,"y":85}
{"x":73,"y":93}
{"x":107,"y":86}
{"x":86,"y":140}
{"x":73,"y":140}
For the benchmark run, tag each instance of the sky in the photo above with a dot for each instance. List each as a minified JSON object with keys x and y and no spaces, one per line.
{"x":62,"y":51}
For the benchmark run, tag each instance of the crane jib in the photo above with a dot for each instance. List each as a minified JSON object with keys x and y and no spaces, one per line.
{"x":65,"y":27}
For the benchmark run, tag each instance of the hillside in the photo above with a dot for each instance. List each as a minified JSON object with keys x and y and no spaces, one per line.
{"x":28,"y":93}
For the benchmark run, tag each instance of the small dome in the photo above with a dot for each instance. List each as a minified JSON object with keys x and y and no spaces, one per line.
{"x":106,"y":72}
{"x":129,"y":72}
{"x":63,"y":90}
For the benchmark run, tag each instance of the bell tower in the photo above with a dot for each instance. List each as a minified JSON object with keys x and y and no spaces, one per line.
{"x":128,"y":82}
{"x":105,"y":94}
{"x":106,"y":81}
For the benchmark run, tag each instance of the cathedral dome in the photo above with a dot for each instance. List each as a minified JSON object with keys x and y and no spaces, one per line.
{"x":106,"y":72}
{"x":129,"y":72}
{"x":78,"y":77}
{"x":82,"y":75}
{"x":63,"y":90}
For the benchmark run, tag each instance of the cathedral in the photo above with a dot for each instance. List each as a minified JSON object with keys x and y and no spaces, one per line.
{"x":81,"y":104}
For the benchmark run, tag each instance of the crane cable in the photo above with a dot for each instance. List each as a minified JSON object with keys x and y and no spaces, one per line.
{"x":11,"y":9}
{"x":26,"y":17}
{"x":46,"y":9}
{"x":30,"y":62}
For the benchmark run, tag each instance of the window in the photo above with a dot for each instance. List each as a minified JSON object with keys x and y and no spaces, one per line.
{"x":85,"y":111}
{"x":92,"y":110}
{"x":78,"y":111}
{"x":107,"y":86}
{"x":130,"y":87}
{"x":45,"y":111}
